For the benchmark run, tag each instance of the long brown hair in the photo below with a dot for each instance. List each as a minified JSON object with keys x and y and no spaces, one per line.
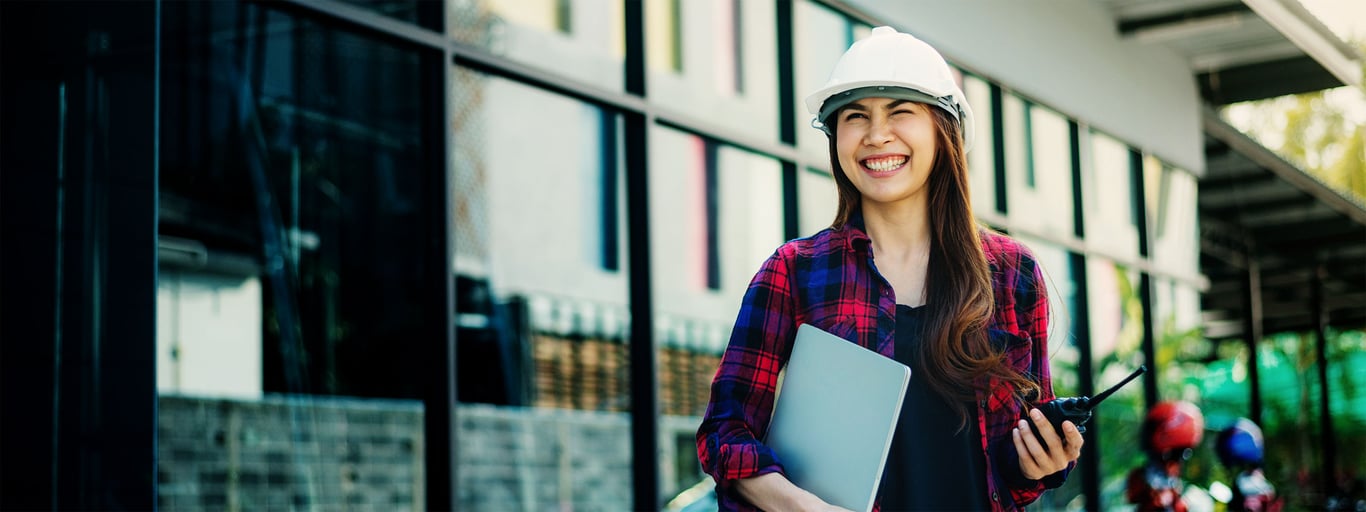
{"x":956,"y":349}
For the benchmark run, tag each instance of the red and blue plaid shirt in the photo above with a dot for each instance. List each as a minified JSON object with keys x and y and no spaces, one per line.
{"x":828,"y":280}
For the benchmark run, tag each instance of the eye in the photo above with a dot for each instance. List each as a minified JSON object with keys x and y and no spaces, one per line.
{"x":853,"y":114}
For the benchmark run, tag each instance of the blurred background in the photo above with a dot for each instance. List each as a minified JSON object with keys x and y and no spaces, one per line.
{"x":484,"y":254}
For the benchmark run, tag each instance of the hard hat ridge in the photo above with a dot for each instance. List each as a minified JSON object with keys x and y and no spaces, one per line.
{"x":904,"y":66}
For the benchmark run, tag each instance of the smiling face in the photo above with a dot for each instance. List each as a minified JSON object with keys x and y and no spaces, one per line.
{"x":886,"y":147}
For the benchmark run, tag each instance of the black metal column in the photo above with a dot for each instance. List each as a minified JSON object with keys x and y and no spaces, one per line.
{"x":644,"y":378}
{"x":1252,"y":333}
{"x":998,"y":148}
{"x":1081,"y":331}
{"x":441,"y":440}
{"x":1139,"y":212}
{"x":1328,"y":473}
{"x":80,"y":265}
{"x":787,"y":118}
{"x":1145,"y":297}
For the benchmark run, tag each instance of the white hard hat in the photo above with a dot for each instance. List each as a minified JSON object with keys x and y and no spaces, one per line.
{"x":895,"y":65}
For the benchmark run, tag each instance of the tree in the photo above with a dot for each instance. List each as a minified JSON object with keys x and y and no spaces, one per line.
{"x":1323,"y":132}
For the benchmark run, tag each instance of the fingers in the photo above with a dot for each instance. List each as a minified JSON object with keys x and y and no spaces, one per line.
{"x":1036,"y":459}
{"x":1044,"y":428}
{"x":1073,"y":442}
{"x":1028,"y":466}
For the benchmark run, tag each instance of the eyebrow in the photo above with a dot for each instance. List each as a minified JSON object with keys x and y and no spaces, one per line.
{"x":890,"y":106}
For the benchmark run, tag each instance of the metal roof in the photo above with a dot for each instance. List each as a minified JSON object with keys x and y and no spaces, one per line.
{"x":1257,"y":209}
{"x":1243,"y":50}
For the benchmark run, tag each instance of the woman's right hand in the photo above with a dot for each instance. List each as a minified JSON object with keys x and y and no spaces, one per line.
{"x":774,"y":492}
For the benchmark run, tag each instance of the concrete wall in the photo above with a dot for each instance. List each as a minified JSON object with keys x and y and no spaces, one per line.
{"x":1069,"y":56}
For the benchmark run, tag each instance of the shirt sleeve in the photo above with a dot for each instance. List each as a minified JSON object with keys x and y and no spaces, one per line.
{"x":743,"y":390}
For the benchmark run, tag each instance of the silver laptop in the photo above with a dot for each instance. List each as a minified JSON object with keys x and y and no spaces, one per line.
{"x":834,"y":417}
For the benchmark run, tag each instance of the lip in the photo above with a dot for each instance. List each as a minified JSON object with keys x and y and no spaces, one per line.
{"x":883,"y":173}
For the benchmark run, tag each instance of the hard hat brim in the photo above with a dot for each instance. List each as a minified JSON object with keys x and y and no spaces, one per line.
{"x":815,"y":100}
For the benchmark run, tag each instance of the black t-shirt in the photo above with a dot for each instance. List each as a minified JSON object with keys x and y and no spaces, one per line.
{"x":933,"y":464}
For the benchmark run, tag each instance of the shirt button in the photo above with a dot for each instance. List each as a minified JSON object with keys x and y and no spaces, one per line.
{"x":994,"y":497}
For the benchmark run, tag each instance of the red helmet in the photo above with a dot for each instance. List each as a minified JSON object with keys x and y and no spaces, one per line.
{"x":1172,"y":427}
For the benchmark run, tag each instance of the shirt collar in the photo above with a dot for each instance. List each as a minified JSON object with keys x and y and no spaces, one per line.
{"x":855,"y":236}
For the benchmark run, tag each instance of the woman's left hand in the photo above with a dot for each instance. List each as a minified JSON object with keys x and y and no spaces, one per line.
{"x":1036,"y":461}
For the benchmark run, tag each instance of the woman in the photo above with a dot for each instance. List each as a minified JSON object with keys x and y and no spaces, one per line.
{"x":904,"y":271}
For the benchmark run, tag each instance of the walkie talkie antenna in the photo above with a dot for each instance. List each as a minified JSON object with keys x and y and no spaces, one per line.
{"x":1106,"y":394}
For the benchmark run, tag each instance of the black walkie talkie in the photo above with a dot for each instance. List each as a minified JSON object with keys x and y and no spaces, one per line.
{"x":1076,"y":409}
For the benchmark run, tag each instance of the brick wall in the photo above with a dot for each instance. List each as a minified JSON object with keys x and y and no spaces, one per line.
{"x":514,"y":458}
{"x":323,"y":453}
{"x":314,"y":453}
{"x":594,"y":374}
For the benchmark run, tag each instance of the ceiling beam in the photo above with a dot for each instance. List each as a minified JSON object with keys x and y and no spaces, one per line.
{"x":1185,"y":22}
{"x":1305,"y":30}
{"x":1255,"y":81}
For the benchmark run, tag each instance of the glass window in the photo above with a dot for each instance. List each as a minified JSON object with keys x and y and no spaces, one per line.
{"x":542,"y":318}
{"x":718,"y":210}
{"x":716,"y":215}
{"x":1038,"y":167}
{"x":561,"y":194}
{"x":1107,"y":197}
{"x":1172,"y":217}
{"x":982,"y":158}
{"x":664,"y":35}
{"x":411,"y":11}
{"x":715,"y":60}
{"x":1061,"y":286}
{"x":297,"y":214}
{"x":582,"y":39}
{"x":818,"y":198}
{"x":820,"y":37}
{"x":1063,"y":354}
{"x":1116,"y":323}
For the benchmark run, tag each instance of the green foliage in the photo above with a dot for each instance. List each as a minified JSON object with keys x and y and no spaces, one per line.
{"x":1320,"y":131}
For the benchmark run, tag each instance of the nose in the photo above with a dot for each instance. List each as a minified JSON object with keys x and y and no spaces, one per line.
{"x":879,"y":131}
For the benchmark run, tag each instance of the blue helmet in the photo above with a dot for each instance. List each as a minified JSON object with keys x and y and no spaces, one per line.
{"x":1240,"y":444}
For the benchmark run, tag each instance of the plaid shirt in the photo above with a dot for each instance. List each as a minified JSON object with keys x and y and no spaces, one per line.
{"x":828,"y":280}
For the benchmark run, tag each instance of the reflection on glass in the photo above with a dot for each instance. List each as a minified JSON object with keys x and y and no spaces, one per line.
{"x":1038,"y":167}
{"x":1116,"y":323}
{"x":982,"y":158}
{"x":411,"y":11}
{"x":541,"y":300}
{"x":716,"y":215}
{"x":817,"y":200}
{"x":1107,"y":196}
{"x":582,"y":40}
{"x":1061,"y":285}
{"x":715,"y":60}
{"x":1172,"y":217}
{"x":821,"y":36}
{"x":295,"y":214}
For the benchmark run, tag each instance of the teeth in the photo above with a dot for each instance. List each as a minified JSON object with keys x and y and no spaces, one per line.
{"x":885,"y":164}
